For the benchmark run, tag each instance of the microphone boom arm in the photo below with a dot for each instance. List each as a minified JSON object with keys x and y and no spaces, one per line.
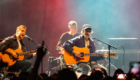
{"x":109,"y":46}
{"x":31,"y":40}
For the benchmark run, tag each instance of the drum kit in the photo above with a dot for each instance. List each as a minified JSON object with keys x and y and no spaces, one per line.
{"x":56,"y":64}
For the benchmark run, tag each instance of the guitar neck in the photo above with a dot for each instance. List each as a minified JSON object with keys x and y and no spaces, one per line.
{"x":28,"y":52}
{"x":98,"y":54}
{"x":93,"y":54}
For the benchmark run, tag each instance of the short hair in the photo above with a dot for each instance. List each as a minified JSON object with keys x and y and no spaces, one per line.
{"x":72,"y":23}
{"x":21,"y":26}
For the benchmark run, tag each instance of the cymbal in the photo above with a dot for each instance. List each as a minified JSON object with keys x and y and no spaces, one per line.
{"x":101,"y":50}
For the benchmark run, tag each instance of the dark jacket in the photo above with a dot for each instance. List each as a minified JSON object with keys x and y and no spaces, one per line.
{"x":11,"y":42}
{"x":80,"y":42}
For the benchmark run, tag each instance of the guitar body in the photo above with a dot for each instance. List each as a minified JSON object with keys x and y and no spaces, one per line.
{"x":6,"y":58}
{"x":70,"y":59}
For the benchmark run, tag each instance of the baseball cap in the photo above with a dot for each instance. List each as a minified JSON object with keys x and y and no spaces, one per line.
{"x":86,"y":26}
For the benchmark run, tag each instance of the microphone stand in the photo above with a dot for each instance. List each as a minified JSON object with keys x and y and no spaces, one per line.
{"x":109,"y":46}
{"x":36,"y":43}
{"x":111,"y":64}
{"x":123,"y":56}
{"x":31,"y":40}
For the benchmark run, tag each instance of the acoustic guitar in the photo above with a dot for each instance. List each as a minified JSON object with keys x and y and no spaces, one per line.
{"x":85,"y":55}
{"x":7,"y":58}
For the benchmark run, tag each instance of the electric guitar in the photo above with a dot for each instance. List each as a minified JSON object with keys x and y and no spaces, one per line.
{"x":85,"y":55}
{"x":7,"y":58}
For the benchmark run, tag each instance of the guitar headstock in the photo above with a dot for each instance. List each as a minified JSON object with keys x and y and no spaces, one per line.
{"x":112,"y":54}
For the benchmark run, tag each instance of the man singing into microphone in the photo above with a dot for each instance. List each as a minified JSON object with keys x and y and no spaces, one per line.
{"x":12,"y":43}
{"x":81,"y":41}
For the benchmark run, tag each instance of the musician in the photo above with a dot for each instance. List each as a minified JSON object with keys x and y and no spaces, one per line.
{"x":72,"y":25}
{"x":12,"y":43}
{"x":80,"y":41}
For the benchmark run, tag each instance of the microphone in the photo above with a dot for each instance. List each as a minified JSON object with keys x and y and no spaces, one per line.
{"x":94,"y":38}
{"x":30,"y":39}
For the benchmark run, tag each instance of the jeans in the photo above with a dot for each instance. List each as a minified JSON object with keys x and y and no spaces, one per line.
{"x":24,"y":66}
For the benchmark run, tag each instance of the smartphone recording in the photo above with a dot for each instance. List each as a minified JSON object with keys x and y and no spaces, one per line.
{"x":121,"y":76}
{"x":135,"y":70}
{"x":134,"y":67}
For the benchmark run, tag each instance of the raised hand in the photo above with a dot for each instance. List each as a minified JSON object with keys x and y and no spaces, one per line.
{"x":41,"y":51}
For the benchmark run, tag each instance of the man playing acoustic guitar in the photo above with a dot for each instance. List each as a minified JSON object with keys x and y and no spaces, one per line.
{"x":10,"y":46}
{"x":76,"y":49}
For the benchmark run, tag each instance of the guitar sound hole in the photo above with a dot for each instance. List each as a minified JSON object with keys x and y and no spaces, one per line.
{"x":17,"y":54}
{"x":82,"y":54}
{"x":10,"y":56}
